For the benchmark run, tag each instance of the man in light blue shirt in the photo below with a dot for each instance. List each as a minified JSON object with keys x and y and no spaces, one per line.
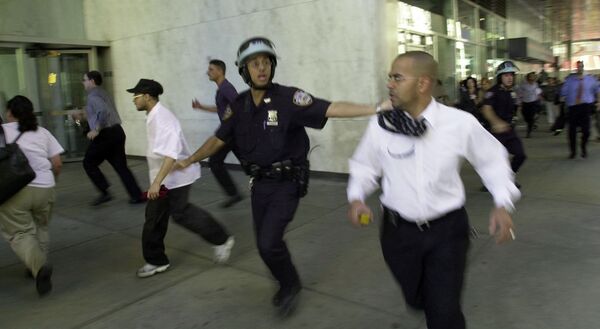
{"x":107,"y":141}
{"x":580,"y":92}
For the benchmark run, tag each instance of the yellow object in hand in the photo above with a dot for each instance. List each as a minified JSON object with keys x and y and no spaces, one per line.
{"x":364,"y":219}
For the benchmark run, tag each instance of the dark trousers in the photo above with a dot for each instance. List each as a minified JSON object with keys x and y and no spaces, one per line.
{"x":579,"y":116}
{"x":429,"y":264}
{"x":529,"y":110}
{"x":185,"y":214}
{"x":274,"y":204}
{"x":562,"y":118}
{"x":217,"y":166}
{"x":513,"y":146}
{"x":109,"y":145}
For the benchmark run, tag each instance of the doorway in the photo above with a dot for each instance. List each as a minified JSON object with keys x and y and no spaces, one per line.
{"x":62,"y":96}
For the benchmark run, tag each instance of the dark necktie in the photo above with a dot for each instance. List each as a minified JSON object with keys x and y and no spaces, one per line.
{"x":399,"y":122}
{"x":579,"y":95}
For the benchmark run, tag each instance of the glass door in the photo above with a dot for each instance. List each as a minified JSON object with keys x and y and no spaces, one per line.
{"x":62,"y":98}
{"x":9,"y":79}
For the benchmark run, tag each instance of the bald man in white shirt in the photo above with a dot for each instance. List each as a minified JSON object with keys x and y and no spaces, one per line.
{"x":417,"y":154}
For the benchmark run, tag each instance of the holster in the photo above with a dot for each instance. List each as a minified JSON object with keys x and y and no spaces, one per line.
{"x":301,"y":177}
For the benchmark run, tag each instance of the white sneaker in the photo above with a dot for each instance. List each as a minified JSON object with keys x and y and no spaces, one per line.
{"x":222,"y":252}
{"x":149,"y":270}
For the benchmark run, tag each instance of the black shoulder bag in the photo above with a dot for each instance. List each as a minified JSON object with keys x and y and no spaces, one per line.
{"x":15,"y":171}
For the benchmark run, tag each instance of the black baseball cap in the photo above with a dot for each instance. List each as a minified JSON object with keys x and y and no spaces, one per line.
{"x":147,"y":86}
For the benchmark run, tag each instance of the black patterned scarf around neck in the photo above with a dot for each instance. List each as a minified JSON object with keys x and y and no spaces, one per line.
{"x":399,"y":122}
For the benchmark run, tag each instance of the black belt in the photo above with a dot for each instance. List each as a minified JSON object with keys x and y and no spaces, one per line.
{"x":284,"y":170}
{"x":110,"y":127}
{"x":396,"y":219}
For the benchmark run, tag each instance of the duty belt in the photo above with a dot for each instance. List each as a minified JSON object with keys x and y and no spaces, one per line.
{"x":281,"y":170}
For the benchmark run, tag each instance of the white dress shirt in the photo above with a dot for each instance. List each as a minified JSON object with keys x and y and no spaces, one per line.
{"x":166,"y":139}
{"x":529,"y":92}
{"x":420,"y":176}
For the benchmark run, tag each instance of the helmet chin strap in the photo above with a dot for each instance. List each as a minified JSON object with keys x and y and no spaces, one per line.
{"x":265,"y":87}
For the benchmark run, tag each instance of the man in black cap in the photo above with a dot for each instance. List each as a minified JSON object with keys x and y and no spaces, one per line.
{"x":107,"y":141}
{"x":169,"y":190}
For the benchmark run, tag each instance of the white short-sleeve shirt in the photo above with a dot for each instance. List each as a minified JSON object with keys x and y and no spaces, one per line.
{"x":166,"y":139}
{"x":38,"y":146}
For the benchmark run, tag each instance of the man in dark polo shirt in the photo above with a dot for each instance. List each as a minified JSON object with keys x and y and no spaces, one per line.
{"x":225,"y":95}
{"x":499,"y":105}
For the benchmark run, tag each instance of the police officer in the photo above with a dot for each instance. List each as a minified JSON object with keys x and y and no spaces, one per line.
{"x":499,"y":105}
{"x":266,"y":127}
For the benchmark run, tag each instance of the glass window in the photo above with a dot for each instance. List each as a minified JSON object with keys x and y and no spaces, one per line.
{"x":9,"y":79}
{"x":466,"y":17}
{"x":447,"y":63}
{"x":466,"y":60}
{"x":413,"y":18}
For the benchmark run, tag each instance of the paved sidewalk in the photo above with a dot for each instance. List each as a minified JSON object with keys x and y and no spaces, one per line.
{"x":547,"y":278}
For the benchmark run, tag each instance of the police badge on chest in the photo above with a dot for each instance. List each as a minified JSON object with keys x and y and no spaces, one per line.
{"x":272,"y":119}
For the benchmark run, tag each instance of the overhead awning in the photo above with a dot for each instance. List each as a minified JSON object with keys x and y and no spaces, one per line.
{"x":528,"y":50}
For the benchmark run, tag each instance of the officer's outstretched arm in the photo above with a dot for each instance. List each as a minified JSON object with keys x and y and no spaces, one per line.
{"x":210,"y":147}
{"x":348,"y":110}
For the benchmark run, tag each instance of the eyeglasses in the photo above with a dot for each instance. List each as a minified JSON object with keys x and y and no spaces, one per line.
{"x":398,"y":77}
{"x":136,"y":96}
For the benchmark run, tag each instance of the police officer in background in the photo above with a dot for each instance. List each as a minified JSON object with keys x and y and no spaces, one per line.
{"x":499,"y":105}
{"x":266,"y":127}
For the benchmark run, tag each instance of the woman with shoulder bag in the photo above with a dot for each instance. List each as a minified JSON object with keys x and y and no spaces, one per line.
{"x":24,"y":217}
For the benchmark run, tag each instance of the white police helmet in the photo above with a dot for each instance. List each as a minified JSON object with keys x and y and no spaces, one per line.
{"x":506,"y":67}
{"x":253,"y":46}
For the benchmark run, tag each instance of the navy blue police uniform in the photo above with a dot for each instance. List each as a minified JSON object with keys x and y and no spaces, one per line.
{"x":504,"y":102}
{"x":273,"y":146}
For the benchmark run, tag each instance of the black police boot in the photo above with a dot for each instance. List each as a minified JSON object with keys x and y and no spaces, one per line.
{"x":288,"y":300}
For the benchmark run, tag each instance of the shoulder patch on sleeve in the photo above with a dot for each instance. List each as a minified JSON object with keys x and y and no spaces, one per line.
{"x":489,"y":95}
{"x":302,"y":98}
{"x":228,"y":113}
